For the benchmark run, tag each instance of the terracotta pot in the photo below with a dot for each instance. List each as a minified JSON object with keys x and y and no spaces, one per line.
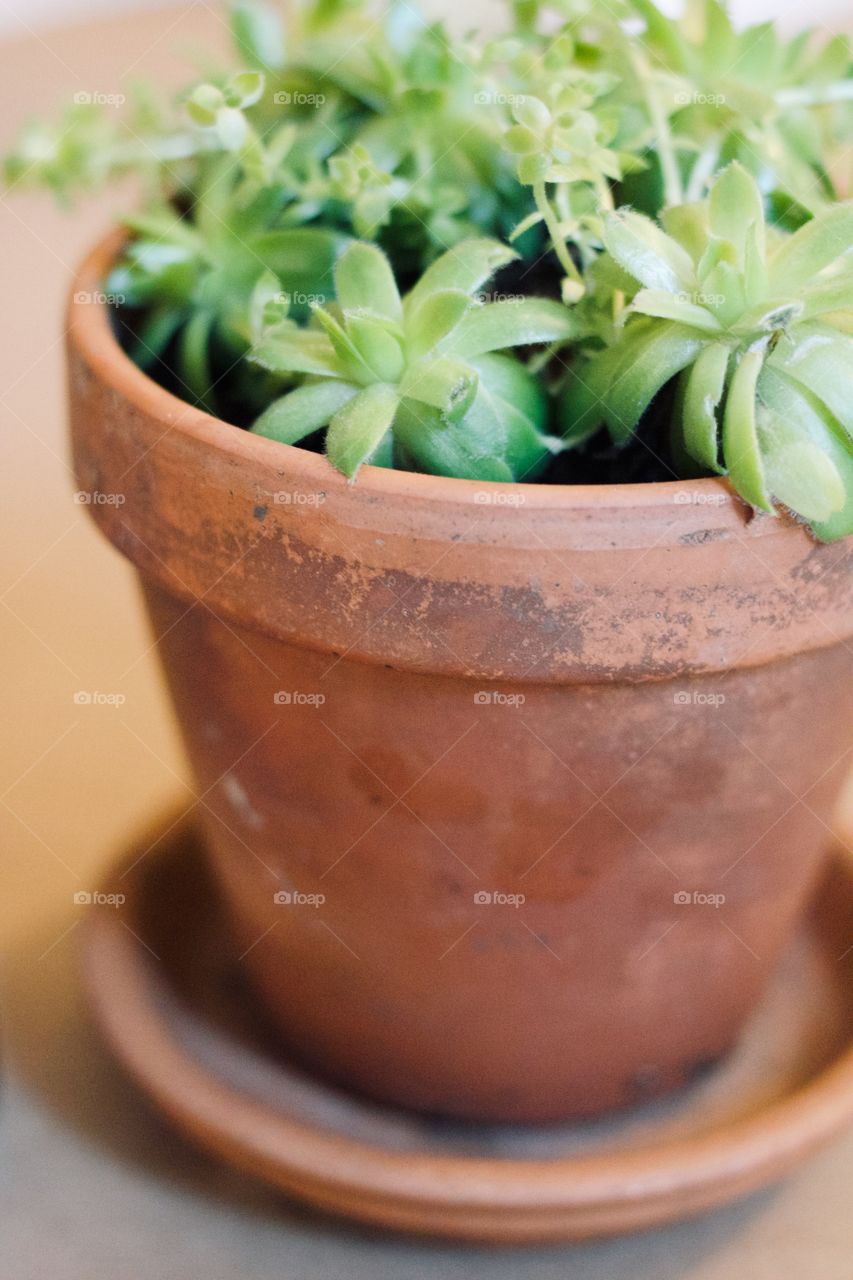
{"x":545,"y":772}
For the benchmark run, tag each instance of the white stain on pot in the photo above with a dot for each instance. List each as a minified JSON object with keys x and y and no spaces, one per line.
{"x":235,"y":794}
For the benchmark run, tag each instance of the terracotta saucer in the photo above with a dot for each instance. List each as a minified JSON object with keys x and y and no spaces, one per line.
{"x":167,"y":992}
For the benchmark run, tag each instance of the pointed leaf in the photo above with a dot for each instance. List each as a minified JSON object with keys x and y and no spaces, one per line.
{"x":289,"y":349}
{"x":740,"y":434}
{"x":673,"y":306}
{"x":736,"y":206}
{"x":512,"y":323}
{"x":647,"y":253}
{"x":258,"y":35}
{"x":363,"y":278}
{"x":617,"y":386}
{"x":821,"y":360}
{"x":820,"y":242}
{"x":445,"y":383}
{"x":434,"y":319}
{"x":703,"y":393}
{"x":303,"y":411}
{"x":467,"y":266}
{"x":380,"y":350}
{"x":358,"y":429}
{"x":799,"y":415}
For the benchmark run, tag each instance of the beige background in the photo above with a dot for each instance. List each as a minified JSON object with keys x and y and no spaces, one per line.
{"x":93,"y":1185}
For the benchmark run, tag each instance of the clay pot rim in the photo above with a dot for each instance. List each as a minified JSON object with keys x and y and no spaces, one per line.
{"x":89,"y":328}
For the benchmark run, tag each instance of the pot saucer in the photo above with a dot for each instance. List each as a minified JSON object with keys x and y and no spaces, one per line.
{"x":167,"y":992}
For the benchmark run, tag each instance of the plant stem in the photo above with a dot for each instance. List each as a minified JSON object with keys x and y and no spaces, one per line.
{"x":673,"y":190}
{"x":543,"y":204}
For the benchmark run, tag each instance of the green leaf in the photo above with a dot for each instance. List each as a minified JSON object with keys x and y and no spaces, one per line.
{"x":808,"y":251}
{"x":349,"y":356}
{"x":245,"y":88}
{"x":287,"y":349}
{"x":358,"y":429}
{"x":468,"y":266}
{"x":195,"y":358}
{"x":736,"y":206}
{"x":704,"y":385}
{"x":471,"y":449}
{"x":445,"y":383}
{"x":380,"y":350}
{"x":204,"y":104}
{"x":821,"y":360}
{"x":258,"y":35}
{"x":435,"y":319}
{"x":740,"y":434}
{"x":303,"y":258}
{"x":515,"y":398}
{"x":833,"y":293}
{"x":647,"y":253}
{"x":618,"y":385}
{"x":803,"y":478}
{"x":512,"y":323}
{"x":364,"y":279}
{"x":304,"y":410}
{"x":798,"y":415}
{"x":678,"y":307}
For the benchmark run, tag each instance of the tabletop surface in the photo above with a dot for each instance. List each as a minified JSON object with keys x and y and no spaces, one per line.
{"x":92,"y":1183}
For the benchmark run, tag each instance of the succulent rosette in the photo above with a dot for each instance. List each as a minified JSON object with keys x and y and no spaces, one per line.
{"x":418,"y":382}
{"x":752,"y":326}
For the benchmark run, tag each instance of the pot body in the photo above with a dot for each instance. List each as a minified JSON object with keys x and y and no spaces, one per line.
{"x":515,"y":794}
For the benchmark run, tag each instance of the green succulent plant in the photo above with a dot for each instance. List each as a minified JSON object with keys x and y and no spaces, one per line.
{"x":322,"y":215}
{"x":773,"y":103}
{"x":415,"y":382}
{"x":752,"y":324}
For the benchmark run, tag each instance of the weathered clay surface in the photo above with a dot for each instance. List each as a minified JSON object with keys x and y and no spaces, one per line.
{"x":403,"y":694}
